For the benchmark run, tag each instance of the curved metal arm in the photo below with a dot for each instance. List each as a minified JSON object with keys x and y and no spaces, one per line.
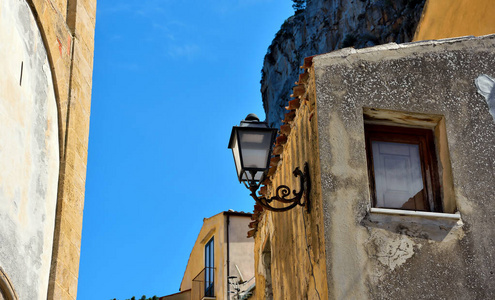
{"x":282,"y":193}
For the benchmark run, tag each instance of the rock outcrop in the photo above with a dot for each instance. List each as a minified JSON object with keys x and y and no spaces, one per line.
{"x":324,"y":26}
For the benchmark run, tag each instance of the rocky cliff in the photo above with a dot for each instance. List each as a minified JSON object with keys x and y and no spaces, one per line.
{"x":324,"y":26}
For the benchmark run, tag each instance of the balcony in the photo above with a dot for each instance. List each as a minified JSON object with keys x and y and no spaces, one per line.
{"x":203,"y":286}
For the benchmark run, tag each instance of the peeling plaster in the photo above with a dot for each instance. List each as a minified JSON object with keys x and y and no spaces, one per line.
{"x":391,"y":250}
{"x":485,"y":85}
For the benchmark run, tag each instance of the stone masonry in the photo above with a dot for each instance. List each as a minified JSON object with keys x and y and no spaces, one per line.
{"x":68,"y":28}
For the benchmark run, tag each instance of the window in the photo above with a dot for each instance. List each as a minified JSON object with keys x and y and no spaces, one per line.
{"x":402,"y":168}
{"x":209,"y":269}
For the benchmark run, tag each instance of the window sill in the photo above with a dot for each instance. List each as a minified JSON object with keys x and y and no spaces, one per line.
{"x":424,"y":214}
{"x":418,"y":224}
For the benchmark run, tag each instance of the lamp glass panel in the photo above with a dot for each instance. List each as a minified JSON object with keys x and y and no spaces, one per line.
{"x":255,"y":148}
{"x":257,"y":176}
{"x":237,"y":157}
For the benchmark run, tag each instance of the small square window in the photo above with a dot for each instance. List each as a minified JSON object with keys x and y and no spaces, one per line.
{"x":402,"y":167}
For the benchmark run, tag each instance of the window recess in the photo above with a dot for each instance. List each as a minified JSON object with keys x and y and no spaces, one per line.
{"x":402,"y":167}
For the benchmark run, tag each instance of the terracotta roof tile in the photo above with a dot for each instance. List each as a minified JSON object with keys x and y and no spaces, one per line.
{"x":272,"y":170}
{"x":293,"y":104}
{"x":251,"y":233}
{"x":285,"y":129}
{"x":281,"y":139}
{"x":303,"y":78}
{"x":308,"y":61}
{"x":263,"y":190}
{"x":289,"y":116}
{"x":274,"y":160}
{"x":278,"y":149}
{"x":298,"y":92}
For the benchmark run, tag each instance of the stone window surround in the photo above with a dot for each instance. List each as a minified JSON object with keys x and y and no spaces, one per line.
{"x":426,"y":121}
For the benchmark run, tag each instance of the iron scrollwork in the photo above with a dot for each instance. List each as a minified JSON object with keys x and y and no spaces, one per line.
{"x":283,"y":192}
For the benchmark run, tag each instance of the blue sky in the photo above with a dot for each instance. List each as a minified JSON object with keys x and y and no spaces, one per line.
{"x":170,"y":80}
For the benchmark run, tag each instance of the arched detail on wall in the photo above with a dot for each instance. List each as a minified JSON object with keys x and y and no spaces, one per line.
{"x":6,"y":288}
{"x":61,"y":133}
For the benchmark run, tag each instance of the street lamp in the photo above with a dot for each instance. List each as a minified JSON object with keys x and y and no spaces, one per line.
{"x":251,"y":145}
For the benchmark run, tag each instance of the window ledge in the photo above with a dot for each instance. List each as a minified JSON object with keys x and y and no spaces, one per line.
{"x":424,"y":214}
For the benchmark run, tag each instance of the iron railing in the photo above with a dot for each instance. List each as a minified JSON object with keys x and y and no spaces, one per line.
{"x":203,"y":285}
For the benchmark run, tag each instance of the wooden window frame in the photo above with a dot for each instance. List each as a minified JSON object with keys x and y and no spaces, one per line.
{"x":424,"y":138}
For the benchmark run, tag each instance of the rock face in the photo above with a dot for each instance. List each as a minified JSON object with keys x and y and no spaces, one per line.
{"x":324,"y":26}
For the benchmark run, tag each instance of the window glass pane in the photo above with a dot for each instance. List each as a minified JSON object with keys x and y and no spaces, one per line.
{"x":398,"y":175}
{"x":209,"y":268}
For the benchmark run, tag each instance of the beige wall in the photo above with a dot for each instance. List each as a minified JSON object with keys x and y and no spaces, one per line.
{"x":241,"y":249}
{"x":240,"y":252}
{"x":455,"y":18}
{"x":65,"y":31}
{"x":212,"y":227}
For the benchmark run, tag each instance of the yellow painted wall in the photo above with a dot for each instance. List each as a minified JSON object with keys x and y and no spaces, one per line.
{"x":290,"y":259}
{"x":212,"y":227}
{"x":241,"y":252}
{"x":455,"y":18}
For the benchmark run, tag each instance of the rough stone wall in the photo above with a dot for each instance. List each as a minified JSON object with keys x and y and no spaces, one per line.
{"x":453,"y":18}
{"x":290,"y":259}
{"x":67,"y":34}
{"x":376,"y":256}
{"x":324,"y":26}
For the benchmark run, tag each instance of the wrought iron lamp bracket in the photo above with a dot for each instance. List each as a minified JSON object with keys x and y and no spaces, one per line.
{"x":283,"y":192}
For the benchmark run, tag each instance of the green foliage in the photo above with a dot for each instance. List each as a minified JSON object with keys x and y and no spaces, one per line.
{"x":298,"y":5}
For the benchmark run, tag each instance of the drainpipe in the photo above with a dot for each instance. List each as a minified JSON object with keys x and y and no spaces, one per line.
{"x":228,"y":257}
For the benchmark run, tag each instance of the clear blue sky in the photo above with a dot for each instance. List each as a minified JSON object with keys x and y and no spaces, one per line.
{"x":170,"y":80}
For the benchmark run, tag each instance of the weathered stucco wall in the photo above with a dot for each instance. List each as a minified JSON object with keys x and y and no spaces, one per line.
{"x":453,"y":18}
{"x":29,"y":153}
{"x":374,"y":256}
{"x":290,"y":256}
{"x":66,"y":31}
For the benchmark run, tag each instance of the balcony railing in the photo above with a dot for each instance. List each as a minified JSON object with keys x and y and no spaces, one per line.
{"x":203,"y":285}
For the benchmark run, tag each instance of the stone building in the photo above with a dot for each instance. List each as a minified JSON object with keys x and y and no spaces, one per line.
{"x":46,"y":58}
{"x":400,"y":142}
{"x":221,"y":263}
